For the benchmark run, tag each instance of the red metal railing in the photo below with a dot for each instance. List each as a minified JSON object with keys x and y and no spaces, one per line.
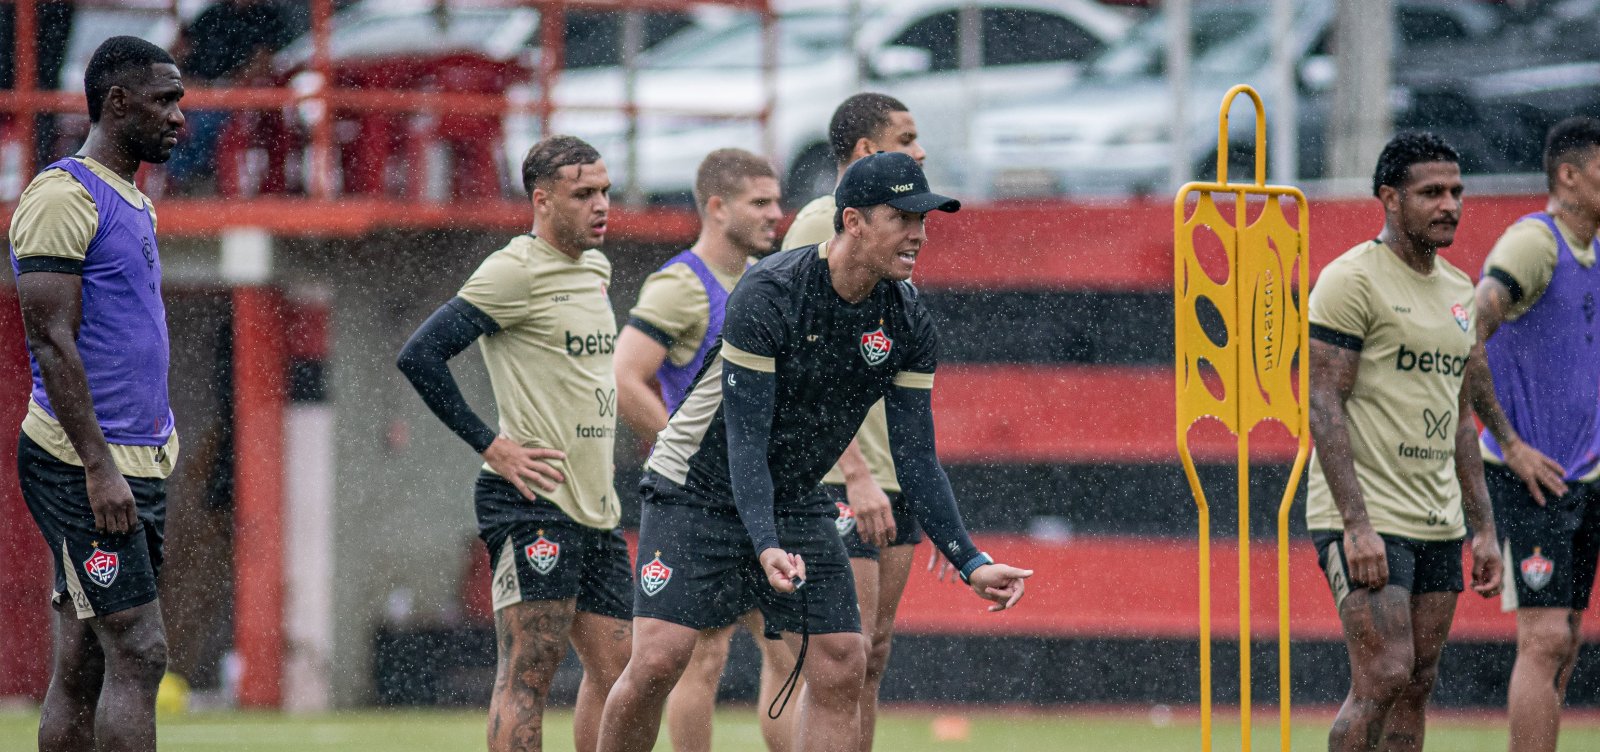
{"x":325,"y":98}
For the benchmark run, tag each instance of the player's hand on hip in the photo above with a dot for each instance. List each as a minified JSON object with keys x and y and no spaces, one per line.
{"x":111,"y":501}
{"x":1366,"y":556}
{"x":1535,"y":469}
{"x":785,"y":571}
{"x":520,"y":465}
{"x":1488,"y":570}
{"x":1001,"y":583}
{"x":874,"y":515}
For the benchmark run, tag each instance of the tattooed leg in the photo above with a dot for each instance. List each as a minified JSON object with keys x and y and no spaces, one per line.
{"x":603,"y":645}
{"x":532,"y":639}
{"x":1431,"y":615}
{"x":1377,"y":632}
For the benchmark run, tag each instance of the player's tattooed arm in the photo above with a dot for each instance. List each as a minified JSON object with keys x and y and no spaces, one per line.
{"x":1492,"y":301}
{"x":1333,"y":377}
{"x":1486,"y":564}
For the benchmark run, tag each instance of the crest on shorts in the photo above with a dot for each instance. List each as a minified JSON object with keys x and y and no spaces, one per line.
{"x":543,"y":554}
{"x":875,"y":346}
{"x":654,"y":576}
{"x":1461,"y":316}
{"x":1536,"y":570}
{"x":846,"y":521}
{"x":101,"y":567}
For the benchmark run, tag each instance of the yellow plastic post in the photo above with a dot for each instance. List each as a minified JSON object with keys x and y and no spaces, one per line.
{"x":1259,"y":365}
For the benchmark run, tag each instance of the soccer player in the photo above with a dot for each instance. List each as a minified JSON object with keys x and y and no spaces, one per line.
{"x":812,"y":338}
{"x":544,"y":500}
{"x":676,"y":323}
{"x":875,"y":521}
{"x":1396,"y":466}
{"x":1536,"y":306}
{"x":99,"y":441}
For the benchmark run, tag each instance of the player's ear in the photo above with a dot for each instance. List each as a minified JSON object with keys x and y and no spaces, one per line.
{"x":714,"y":206}
{"x":864,"y":148}
{"x":1389,"y":196}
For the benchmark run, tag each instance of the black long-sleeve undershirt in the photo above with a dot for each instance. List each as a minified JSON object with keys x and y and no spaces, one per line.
{"x":425,"y":362}
{"x":748,"y":399}
{"x":922,"y":479}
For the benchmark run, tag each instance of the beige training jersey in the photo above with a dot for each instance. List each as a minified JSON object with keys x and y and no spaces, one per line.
{"x":1527,"y":252}
{"x":1414,"y":333}
{"x":673,"y":301}
{"x":813,"y":225}
{"x":56,"y":216}
{"x":550,"y":364}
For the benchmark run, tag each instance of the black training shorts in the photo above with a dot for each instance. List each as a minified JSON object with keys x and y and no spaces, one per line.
{"x":906,"y":530}
{"x":1417,"y":565}
{"x":698,"y":568}
{"x":538,"y":553}
{"x":1550,"y":552}
{"x":96,"y":573}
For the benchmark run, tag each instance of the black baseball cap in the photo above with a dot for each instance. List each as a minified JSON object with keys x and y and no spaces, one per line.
{"x":888,"y":177}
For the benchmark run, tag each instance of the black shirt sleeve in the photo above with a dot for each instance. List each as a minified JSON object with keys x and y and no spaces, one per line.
{"x":756,"y":322}
{"x":424,"y":360}
{"x":924,"y":351}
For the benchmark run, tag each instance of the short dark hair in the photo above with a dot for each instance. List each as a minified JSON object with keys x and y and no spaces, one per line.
{"x":861,"y":116}
{"x":112,"y":61}
{"x":546,"y":158}
{"x":1406,"y":149}
{"x":1570,"y":141}
{"x":723,"y":172}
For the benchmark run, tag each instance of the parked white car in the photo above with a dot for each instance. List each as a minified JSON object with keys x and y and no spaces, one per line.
{"x":906,"y":48}
{"x":1111,"y":132}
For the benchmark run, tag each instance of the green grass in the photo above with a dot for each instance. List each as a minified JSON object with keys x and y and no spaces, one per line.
{"x":899,"y":731}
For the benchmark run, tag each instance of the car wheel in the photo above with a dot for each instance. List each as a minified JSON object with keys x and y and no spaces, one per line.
{"x":813,"y":174}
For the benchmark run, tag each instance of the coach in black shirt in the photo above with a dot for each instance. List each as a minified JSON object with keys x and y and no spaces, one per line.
{"x":813,"y":337}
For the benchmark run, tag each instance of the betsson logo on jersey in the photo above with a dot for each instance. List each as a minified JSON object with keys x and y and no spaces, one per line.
{"x":599,"y":343}
{"x":1437,"y":361}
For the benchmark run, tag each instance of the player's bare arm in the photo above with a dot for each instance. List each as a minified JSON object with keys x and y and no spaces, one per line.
{"x":1333,"y":370}
{"x":874,"y":515}
{"x":1539,"y":472}
{"x":637,"y":359}
{"x":425,"y":362}
{"x":1486,"y":564}
{"x":925,"y":485}
{"x":52,"y":309}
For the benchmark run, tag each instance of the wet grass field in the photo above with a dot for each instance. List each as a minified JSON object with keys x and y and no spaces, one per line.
{"x":899,"y":731}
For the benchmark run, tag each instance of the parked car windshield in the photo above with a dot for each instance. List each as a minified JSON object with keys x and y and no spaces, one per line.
{"x":803,"y":39}
{"x":1226,"y":41}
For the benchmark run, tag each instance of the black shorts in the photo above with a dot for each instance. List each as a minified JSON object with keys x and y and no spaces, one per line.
{"x":538,"y":553}
{"x":698,"y":568}
{"x":1417,"y":565}
{"x":1550,"y":552}
{"x":906,"y":530}
{"x":98,"y":573}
